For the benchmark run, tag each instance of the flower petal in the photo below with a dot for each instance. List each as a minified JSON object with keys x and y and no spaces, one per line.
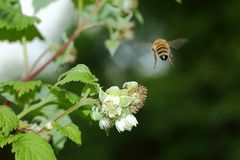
{"x":102,"y":94}
{"x":120,"y":125}
{"x":114,"y":99}
{"x":114,"y":91}
{"x":95,"y":115}
{"x":131,"y":119}
{"x":130,"y":85}
{"x":104,"y":123}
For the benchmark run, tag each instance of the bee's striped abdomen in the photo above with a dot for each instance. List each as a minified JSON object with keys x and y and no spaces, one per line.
{"x":162,"y":48}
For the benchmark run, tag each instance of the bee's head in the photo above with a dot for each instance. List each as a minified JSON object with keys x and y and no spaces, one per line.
{"x":164,"y":57}
{"x":159,"y":41}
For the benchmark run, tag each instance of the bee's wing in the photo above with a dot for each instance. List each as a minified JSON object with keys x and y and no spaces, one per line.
{"x":176,"y":44}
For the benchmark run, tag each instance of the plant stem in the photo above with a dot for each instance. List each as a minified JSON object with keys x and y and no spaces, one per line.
{"x":39,"y":58}
{"x":25,"y":55}
{"x":34,"y":107}
{"x":81,"y":27}
{"x":83,"y":102}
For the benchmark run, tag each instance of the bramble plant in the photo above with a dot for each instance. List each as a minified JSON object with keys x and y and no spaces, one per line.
{"x":35,"y":113}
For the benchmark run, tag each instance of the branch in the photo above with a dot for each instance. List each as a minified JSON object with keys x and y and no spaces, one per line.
{"x":39,"y":58}
{"x":58,"y":53}
{"x":98,"y":6}
{"x":83,"y":102}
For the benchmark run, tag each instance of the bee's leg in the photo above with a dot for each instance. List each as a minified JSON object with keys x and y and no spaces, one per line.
{"x":170,"y":59}
{"x":155,"y":58}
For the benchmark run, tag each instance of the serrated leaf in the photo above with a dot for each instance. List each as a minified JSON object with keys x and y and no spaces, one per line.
{"x":13,"y":35}
{"x":73,"y":98}
{"x":11,"y":95}
{"x":22,"y":87}
{"x":12,"y":18}
{"x":112,"y":46}
{"x":63,"y":97}
{"x":39,"y":4}
{"x":71,"y":131}
{"x":32,"y":147}
{"x":8,"y":120}
{"x":14,"y":25}
{"x":4,"y":141}
{"x":79,"y":73}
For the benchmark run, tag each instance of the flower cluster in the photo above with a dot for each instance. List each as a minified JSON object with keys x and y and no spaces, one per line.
{"x":118,"y":106}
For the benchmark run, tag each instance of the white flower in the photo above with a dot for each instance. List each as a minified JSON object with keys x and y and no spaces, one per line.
{"x":120,"y":125}
{"x":114,"y":99}
{"x":131,"y":120}
{"x":110,"y":110}
{"x":104,"y":123}
{"x":126,"y":123}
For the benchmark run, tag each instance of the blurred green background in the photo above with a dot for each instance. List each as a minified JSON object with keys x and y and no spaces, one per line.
{"x":192,"y":110}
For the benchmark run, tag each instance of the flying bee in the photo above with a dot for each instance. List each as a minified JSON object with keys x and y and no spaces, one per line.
{"x":162,"y":49}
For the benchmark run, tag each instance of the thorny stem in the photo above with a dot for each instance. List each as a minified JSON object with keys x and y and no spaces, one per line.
{"x":58,"y":53}
{"x":83,"y":102}
{"x":81,"y":27}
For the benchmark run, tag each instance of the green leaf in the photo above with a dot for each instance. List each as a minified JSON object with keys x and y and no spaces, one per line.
{"x":90,"y":90}
{"x":4,"y":141}
{"x":22,"y":87}
{"x":9,"y":93}
{"x":8,"y":120}
{"x":14,"y":25}
{"x":32,"y":147}
{"x":72,"y":98}
{"x":71,"y":131}
{"x":63,"y":97}
{"x":112,"y":46}
{"x":79,"y":73}
{"x":12,"y":18}
{"x":13,"y":35}
{"x":39,"y":4}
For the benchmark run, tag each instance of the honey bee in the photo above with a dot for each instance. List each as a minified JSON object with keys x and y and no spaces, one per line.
{"x":162,"y":49}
